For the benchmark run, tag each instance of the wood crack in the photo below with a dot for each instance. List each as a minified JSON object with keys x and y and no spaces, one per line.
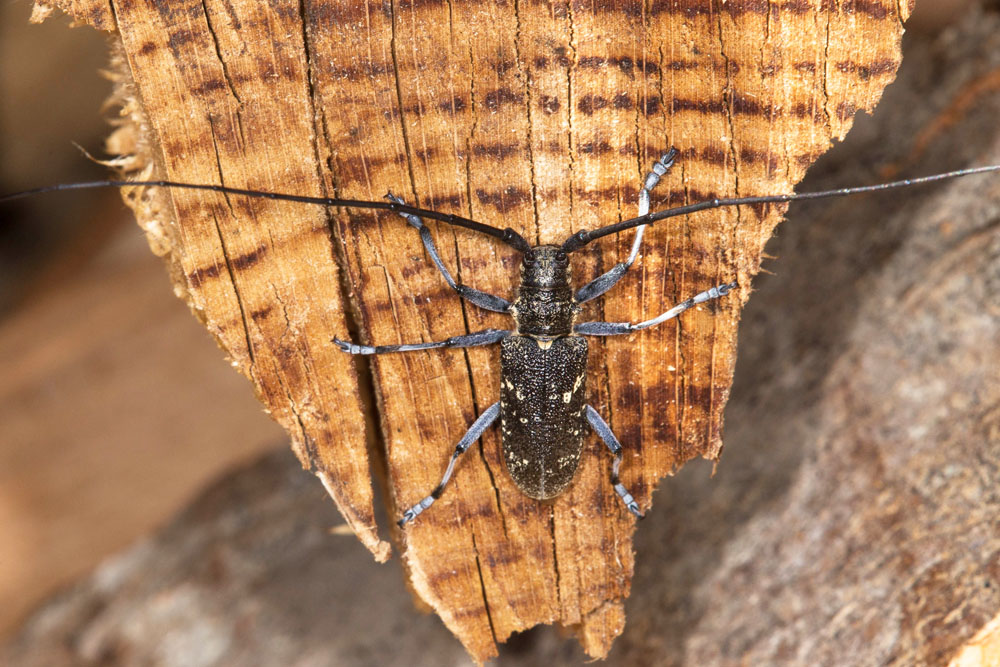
{"x":525,"y":75}
{"x":228,"y":261}
{"x":825,"y":86}
{"x":218,"y":53}
{"x":482,"y":589}
{"x":397,"y":77}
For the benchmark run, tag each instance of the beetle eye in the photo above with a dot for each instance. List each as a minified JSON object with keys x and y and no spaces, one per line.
{"x":529,"y":256}
{"x":561,"y":256}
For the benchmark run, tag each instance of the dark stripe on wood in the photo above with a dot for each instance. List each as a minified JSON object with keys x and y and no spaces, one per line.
{"x":358,"y":169}
{"x":495,"y":98}
{"x":548,"y":104}
{"x":750,"y":156}
{"x":178,"y":40}
{"x":261,"y":313}
{"x":713,"y":155}
{"x":200,"y":276}
{"x":624,"y":63}
{"x":443,"y":202}
{"x":865,"y":72}
{"x":872,"y":9}
{"x":496,"y":151}
{"x":813,"y":110}
{"x":702,"y":106}
{"x":683,"y":65}
{"x":503,"y":200}
{"x":595,"y":148}
{"x":246,"y":260}
{"x":748,"y":106}
{"x":424,"y":154}
{"x":590,"y":104}
{"x":452,"y":106}
{"x":209,"y":87}
{"x":354,"y":72}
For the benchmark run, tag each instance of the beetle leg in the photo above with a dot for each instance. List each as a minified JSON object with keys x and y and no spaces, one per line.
{"x":482,"y":299}
{"x":606,"y":281}
{"x":484,"y":337}
{"x":481,"y":424}
{"x":616,"y":328}
{"x":601,"y":427}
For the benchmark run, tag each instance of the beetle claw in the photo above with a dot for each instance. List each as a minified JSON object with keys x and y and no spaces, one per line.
{"x":351,"y":348}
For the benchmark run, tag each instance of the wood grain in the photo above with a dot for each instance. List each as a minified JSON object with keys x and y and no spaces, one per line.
{"x":539,"y":116}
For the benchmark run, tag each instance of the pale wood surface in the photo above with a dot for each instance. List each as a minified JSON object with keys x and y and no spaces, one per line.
{"x":541,"y":117}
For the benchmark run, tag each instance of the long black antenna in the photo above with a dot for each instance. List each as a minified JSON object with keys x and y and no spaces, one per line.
{"x":582,"y":238}
{"x":508,"y":235}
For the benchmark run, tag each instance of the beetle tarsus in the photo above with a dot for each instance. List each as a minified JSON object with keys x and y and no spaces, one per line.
{"x":351,"y":348}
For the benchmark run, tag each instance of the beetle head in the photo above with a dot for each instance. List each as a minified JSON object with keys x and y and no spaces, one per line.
{"x":545,"y":267}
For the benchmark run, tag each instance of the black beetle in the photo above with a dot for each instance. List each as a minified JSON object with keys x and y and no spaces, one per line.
{"x":543,"y":362}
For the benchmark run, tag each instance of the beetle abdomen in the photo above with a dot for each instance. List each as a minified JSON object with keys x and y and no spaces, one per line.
{"x":541,"y":411}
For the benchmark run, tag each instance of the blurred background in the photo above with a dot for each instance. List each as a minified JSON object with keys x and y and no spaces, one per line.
{"x":116,"y":406}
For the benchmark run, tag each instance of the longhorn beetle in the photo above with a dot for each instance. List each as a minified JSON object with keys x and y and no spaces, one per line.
{"x":543,"y":361}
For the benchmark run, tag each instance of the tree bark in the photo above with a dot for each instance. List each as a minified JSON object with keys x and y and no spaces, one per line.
{"x":541,"y":117}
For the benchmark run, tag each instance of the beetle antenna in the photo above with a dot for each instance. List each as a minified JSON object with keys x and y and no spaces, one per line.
{"x":508,"y":235}
{"x":583,"y":237}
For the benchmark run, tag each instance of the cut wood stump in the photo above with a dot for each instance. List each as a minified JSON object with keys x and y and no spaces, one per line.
{"x":538,"y":116}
